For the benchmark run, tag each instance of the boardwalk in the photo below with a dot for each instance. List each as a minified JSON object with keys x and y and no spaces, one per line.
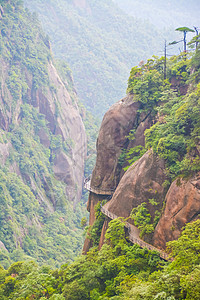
{"x":87,"y":183}
{"x":132,"y":230}
{"x":134,"y":235}
{"x":95,"y":190}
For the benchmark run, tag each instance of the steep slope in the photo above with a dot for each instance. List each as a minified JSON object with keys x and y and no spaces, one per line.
{"x":121,"y":120}
{"x":156,"y":143}
{"x":115,"y":127}
{"x":43,"y":145}
{"x":100,"y":42}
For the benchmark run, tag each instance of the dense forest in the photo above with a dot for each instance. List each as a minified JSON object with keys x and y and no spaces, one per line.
{"x":119,"y":271}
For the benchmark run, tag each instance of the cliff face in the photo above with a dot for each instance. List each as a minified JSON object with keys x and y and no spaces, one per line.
{"x":63,"y":118}
{"x":141,"y":182}
{"x":112,"y":140}
{"x":182,"y":206}
{"x":42,"y":145}
{"x":68,"y":123}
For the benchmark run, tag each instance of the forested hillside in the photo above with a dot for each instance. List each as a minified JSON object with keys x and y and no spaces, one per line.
{"x":99,"y":42}
{"x":119,"y":271}
{"x":151,"y":141}
{"x":42,"y":146}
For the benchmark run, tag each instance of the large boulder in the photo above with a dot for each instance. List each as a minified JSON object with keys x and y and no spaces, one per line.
{"x":117,"y":123}
{"x":182,"y":206}
{"x":115,"y":127}
{"x":141,"y":182}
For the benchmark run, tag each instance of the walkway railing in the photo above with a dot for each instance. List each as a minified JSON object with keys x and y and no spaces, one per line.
{"x":95,"y":190}
{"x":133,"y":231}
{"x":134,"y":235}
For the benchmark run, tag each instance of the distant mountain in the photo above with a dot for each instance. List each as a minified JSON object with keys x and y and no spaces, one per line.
{"x":100,"y":42}
{"x":161,"y":13}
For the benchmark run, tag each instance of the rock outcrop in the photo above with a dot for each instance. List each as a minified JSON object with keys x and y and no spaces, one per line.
{"x":117,"y":123}
{"x":182,"y":206}
{"x":2,"y":246}
{"x":69,"y":125}
{"x":112,"y":138}
{"x":92,"y":201}
{"x":103,"y":232}
{"x":142,"y":181}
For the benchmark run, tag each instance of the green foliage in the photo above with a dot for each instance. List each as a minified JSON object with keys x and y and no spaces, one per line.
{"x":195,"y":64}
{"x":142,"y":219}
{"x":190,"y":284}
{"x":118,"y":271}
{"x":184,"y":29}
{"x":153,"y":202}
{"x":115,"y":234}
{"x":94,"y":232}
{"x":147,"y":84}
{"x":179,"y":69}
{"x":109,"y":272}
{"x":14,"y":83}
{"x":175,"y":136}
{"x":179,"y":279}
{"x":24,"y":46}
{"x":186,"y":248}
{"x":133,"y":154}
{"x":83,"y":222}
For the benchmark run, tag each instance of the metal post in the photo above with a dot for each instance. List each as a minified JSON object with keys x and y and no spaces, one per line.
{"x":165,"y":62}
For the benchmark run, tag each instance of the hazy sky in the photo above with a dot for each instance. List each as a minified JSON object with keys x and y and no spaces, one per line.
{"x":164,"y":13}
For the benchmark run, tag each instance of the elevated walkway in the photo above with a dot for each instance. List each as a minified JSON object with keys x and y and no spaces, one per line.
{"x":95,"y":190}
{"x":133,"y":237}
{"x":133,"y":231}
